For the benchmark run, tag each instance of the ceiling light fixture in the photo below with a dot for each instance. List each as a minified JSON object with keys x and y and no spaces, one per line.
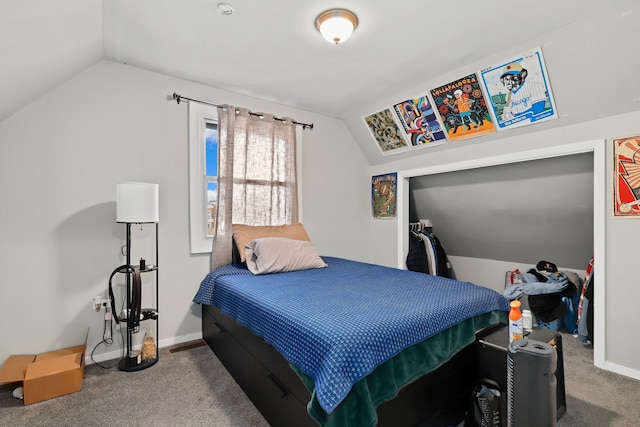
{"x":336,"y":25}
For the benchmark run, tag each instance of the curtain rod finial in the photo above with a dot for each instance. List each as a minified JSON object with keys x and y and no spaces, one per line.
{"x":176,"y":97}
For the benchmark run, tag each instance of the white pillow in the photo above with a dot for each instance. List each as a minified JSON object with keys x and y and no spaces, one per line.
{"x":279,"y":254}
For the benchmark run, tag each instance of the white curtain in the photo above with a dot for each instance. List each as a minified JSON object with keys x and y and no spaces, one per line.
{"x":256,"y":175}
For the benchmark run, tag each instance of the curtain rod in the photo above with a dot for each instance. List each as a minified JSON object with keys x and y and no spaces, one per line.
{"x":179,"y":98}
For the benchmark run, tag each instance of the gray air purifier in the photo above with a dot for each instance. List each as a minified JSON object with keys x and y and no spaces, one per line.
{"x":531,"y":384}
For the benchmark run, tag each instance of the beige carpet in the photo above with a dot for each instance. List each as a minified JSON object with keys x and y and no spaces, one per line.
{"x":192,"y":388}
{"x":596,"y":397}
{"x":185,"y":388}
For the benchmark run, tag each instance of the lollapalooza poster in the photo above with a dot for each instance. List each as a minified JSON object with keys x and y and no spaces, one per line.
{"x":383,"y":195}
{"x":462,"y":108}
{"x":518,"y":91}
{"x":420,"y":122}
{"x":626,"y":180}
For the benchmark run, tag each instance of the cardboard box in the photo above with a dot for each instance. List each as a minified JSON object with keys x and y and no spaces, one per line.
{"x":46,"y":375}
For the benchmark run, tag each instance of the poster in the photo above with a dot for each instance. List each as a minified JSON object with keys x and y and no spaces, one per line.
{"x":519,"y":92}
{"x":386,"y":132}
{"x":383,"y":195}
{"x":420,"y":122}
{"x":462,"y":108}
{"x":626,"y":179}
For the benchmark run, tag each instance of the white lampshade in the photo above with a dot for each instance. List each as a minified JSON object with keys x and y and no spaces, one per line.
{"x":336,"y":25}
{"x":137,"y":202}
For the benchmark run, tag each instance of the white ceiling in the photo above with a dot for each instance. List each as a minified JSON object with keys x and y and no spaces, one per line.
{"x":271,"y":49}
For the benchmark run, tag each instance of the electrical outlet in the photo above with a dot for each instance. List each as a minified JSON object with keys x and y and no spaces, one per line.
{"x":98,"y":303}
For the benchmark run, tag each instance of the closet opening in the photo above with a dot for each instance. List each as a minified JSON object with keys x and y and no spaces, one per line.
{"x":470,"y":211}
{"x":520,"y":212}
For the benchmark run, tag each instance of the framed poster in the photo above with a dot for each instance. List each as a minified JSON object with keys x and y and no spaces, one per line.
{"x":420,"y":122}
{"x":462,"y":108}
{"x":386,"y":132}
{"x":383,"y":195}
{"x":519,"y":92}
{"x":626,"y":179}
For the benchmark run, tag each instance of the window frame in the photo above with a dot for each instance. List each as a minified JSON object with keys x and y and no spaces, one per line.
{"x":199,"y":115}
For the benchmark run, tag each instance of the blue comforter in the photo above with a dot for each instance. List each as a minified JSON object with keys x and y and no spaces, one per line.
{"x":337,"y":324}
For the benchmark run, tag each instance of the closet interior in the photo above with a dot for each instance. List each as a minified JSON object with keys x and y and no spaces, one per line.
{"x":520,"y":212}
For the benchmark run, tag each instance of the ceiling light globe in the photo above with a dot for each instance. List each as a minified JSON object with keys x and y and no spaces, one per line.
{"x":336,"y":25}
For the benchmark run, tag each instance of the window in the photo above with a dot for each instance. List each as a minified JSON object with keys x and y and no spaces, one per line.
{"x":203,"y":174}
{"x":211,"y":173}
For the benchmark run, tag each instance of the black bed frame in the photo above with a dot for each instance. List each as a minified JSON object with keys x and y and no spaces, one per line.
{"x":439,"y":398}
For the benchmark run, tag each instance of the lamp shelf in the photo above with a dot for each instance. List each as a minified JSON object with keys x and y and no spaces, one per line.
{"x":133,"y":358}
{"x":137,"y":203}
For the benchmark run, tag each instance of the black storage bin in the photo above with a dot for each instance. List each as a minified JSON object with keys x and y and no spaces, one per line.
{"x":492,"y":359}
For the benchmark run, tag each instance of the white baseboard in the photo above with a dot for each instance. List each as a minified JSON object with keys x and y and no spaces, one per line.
{"x":179,"y":340}
{"x":622,"y":370}
{"x":117,"y":353}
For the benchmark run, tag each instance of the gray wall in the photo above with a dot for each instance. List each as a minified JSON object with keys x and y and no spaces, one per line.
{"x":60,"y":161}
{"x":591,"y":72}
{"x":61,"y":156}
{"x":527,"y":211}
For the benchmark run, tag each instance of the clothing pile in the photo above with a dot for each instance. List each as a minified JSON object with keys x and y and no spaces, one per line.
{"x":553,"y":295}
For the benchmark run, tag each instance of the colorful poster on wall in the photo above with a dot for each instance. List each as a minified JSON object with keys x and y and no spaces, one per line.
{"x":383,"y":195}
{"x":386,"y":132}
{"x":420,"y":122}
{"x":626,"y":179}
{"x":462,"y":108}
{"x":519,"y":92}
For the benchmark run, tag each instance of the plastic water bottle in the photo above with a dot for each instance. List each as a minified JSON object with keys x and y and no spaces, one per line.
{"x":527,"y":320}
{"x":515,"y":321}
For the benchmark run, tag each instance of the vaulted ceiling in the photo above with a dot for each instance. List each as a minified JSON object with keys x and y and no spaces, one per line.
{"x":269,"y":50}
{"x":272,"y":50}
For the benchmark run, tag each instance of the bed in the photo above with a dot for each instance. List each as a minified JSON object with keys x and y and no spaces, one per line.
{"x":349,"y":343}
